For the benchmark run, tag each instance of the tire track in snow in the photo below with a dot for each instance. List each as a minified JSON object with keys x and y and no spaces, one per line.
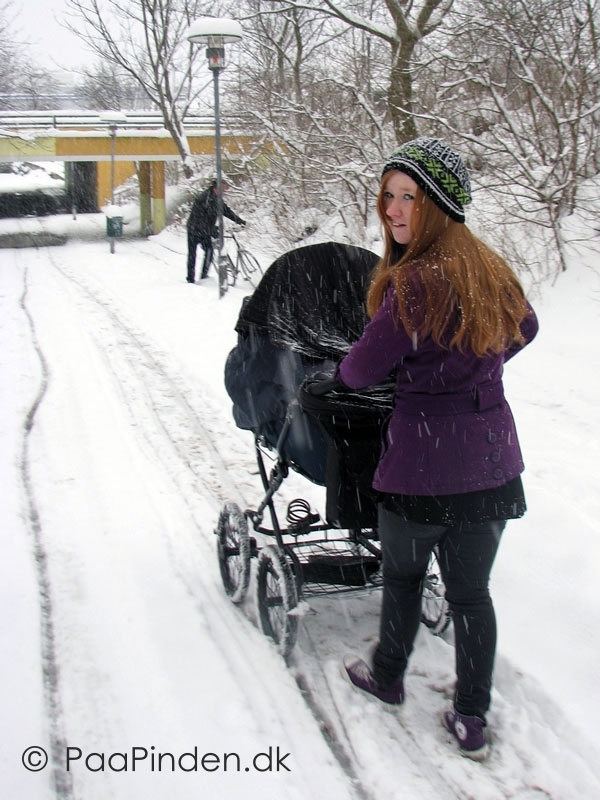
{"x":202,"y":596}
{"x":164,"y":401}
{"x":62,"y":783}
{"x":167,"y":421}
{"x":165,"y":418}
{"x":153,"y":399}
{"x":318,"y":691}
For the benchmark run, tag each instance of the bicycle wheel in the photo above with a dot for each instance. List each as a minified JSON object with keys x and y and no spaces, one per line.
{"x":230,"y":270}
{"x":249,"y":267}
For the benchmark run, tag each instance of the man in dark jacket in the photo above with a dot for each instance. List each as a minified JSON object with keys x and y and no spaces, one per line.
{"x":201,"y":228}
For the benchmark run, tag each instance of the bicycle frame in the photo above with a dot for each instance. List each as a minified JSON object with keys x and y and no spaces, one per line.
{"x":245,"y":264}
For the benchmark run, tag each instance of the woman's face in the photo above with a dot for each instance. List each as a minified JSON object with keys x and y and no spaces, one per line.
{"x":398,"y":202}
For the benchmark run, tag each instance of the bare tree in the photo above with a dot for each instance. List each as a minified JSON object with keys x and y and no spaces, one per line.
{"x":319,"y":108}
{"x":327,"y":88}
{"x":36,"y":87}
{"x":23,"y":83}
{"x":145,"y":40}
{"x":521,"y":89}
{"x":283,"y":89}
{"x":106,"y":87}
{"x":11,"y":53}
{"x":325,"y":82}
{"x":402,"y":25}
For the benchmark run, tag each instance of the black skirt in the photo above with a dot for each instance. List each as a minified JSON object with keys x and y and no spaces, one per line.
{"x":503,"y":502}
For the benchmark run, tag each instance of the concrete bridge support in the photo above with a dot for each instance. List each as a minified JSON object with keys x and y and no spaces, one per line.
{"x":153,"y":212}
{"x":145,"y":184}
{"x":159,"y":207}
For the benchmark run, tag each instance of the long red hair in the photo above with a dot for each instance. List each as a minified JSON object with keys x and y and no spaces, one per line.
{"x":449,"y":284}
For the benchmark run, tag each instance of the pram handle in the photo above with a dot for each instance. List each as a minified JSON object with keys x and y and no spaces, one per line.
{"x":320,"y":386}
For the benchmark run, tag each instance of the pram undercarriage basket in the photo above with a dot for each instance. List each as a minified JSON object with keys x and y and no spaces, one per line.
{"x":333,"y":440}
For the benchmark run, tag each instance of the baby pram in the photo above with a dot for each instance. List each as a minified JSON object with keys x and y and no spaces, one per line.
{"x":301,"y":320}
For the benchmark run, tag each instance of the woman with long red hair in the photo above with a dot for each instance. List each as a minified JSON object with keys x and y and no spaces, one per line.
{"x":446,"y":313}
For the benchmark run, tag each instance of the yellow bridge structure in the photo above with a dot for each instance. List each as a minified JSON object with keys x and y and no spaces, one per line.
{"x":140,"y":144}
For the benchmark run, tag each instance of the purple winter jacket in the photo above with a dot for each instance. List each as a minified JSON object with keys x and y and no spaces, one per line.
{"x":451,"y":430}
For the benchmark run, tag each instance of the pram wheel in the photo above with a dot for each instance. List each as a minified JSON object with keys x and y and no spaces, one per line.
{"x":277,"y":596}
{"x":434,"y":608}
{"x":234,"y":551}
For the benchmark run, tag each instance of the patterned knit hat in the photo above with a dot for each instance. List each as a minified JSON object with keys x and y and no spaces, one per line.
{"x":438,"y":170}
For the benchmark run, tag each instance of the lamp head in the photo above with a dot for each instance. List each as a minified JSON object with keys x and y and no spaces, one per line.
{"x":214,"y":31}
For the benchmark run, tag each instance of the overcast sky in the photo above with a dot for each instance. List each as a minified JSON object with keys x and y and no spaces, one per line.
{"x":39,"y":23}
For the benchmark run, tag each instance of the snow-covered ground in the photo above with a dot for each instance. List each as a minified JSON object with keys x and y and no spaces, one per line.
{"x":119,"y":644}
{"x":25,"y":176}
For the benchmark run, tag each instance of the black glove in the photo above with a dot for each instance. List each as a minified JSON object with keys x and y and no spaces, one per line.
{"x":318,"y":386}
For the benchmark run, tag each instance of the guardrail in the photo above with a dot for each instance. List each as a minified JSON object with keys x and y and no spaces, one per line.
{"x":93,"y":119}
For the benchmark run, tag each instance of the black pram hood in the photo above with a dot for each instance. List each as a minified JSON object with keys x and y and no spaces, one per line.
{"x":312,"y":300}
{"x":303,"y":317}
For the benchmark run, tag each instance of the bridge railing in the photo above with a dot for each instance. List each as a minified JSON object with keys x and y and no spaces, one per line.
{"x":93,"y":119}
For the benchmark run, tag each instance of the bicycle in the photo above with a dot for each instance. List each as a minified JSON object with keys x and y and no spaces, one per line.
{"x":245,"y":264}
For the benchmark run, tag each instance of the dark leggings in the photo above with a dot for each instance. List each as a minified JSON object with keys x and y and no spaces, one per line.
{"x":466,"y":556}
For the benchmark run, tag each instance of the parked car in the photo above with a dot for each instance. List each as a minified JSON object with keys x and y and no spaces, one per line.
{"x":28,"y":189}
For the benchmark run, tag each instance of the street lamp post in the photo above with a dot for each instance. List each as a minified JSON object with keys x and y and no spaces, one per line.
{"x":215,"y":32}
{"x":113,"y":135}
{"x":112,"y":118}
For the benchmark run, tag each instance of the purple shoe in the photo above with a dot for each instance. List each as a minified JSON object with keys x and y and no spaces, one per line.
{"x":361,"y":675}
{"x":469,"y":733}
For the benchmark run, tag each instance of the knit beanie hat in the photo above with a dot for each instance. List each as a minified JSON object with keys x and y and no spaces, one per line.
{"x":438,"y":170}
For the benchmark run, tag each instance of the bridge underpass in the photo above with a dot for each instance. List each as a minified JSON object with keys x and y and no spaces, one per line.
{"x":83,"y":141}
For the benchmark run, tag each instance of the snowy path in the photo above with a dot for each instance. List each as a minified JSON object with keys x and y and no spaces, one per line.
{"x":147,"y":649}
{"x":130,"y":455}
